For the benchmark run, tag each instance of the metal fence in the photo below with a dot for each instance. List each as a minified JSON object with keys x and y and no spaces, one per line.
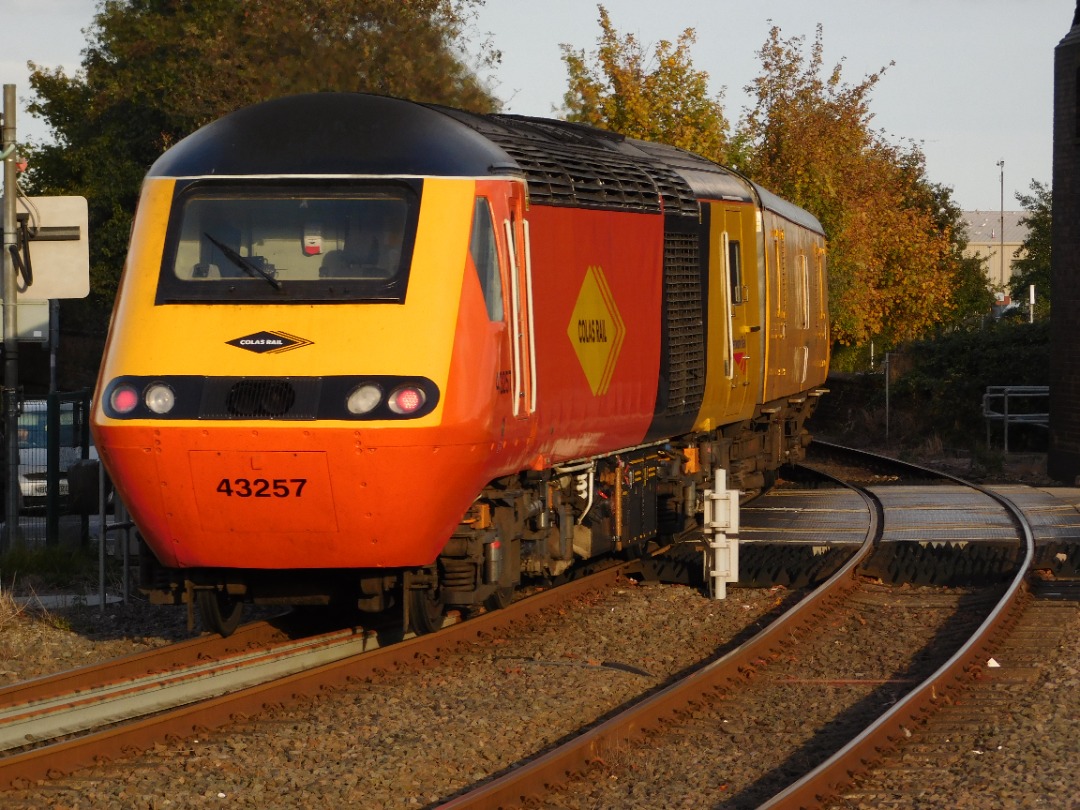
{"x":1015,"y":405}
{"x":53,"y":440}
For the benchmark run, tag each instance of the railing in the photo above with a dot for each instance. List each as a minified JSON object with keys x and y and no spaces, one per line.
{"x":53,"y":438}
{"x":1013,"y":405}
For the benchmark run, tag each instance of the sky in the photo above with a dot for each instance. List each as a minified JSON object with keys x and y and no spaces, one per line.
{"x":972,"y":82}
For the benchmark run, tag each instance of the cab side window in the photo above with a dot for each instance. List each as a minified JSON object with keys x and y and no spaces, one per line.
{"x":486,"y":258}
{"x":735,"y":269}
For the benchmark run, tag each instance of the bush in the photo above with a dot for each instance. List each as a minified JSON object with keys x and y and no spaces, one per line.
{"x":936,"y":389}
{"x":948,"y":376}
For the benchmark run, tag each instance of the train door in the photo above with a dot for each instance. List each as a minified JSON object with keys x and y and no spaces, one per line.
{"x":735,"y":339}
{"x":745,"y":342}
{"x":500,"y":251}
{"x":819,"y":312}
{"x":523,"y":335}
{"x":781,"y":343}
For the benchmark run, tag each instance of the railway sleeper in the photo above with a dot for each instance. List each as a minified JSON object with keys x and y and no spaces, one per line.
{"x":947,"y":564}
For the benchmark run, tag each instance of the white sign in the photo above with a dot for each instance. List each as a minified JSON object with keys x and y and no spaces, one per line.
{"x":59,"y":248}
{"x":32,"y":318}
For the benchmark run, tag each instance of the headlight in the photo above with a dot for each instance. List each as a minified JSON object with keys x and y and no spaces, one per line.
{"x":159,"y":398}
{"x":364,"y":399}
{"x":124,"y":398}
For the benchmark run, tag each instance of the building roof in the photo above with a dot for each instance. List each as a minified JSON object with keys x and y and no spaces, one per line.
{"x":983,"y":227}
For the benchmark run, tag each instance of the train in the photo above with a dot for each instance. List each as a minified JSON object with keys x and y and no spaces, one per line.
{"x":369,"y":352}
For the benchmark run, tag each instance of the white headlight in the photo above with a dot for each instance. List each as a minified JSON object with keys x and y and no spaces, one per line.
{"x":364,"y":399}
{"x":159,"y":398}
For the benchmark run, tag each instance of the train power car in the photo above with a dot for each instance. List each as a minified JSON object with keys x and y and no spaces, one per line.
{"x":367,"y":351}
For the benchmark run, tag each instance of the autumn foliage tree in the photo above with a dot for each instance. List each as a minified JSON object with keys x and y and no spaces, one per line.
{"x":893,"y":263}
{"x":655,"y":96}
{"x":896,"y":265}
{"x":155,"y":70}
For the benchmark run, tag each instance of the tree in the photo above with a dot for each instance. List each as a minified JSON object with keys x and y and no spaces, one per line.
{"x":655,"y":98}
{"x":972,"y":298}
{"x":155,"y":70}
{"x":894,"y":262}
{"x":1032,"y":265}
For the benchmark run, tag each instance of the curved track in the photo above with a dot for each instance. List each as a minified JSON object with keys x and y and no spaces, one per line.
{"x":829,"y":778}
{"x":629,"y":730}
{"x":535,"y":777}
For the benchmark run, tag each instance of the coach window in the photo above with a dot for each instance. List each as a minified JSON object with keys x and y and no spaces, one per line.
{"x":486,"y":258}
{"x":735,"y":269}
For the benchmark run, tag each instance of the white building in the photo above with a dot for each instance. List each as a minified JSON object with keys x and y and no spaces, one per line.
{"x":986,"y":238}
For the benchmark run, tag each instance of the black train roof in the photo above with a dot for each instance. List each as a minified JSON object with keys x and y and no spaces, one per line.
{"x":359,"y":134}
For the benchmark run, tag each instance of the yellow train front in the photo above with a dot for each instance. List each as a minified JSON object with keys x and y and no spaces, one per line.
{"x":366,"y":350}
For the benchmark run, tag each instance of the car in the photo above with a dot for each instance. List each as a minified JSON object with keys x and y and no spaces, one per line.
{"x":33,"y":450}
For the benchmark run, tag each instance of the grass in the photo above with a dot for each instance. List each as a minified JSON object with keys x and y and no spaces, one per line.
{"x":51,"y":568}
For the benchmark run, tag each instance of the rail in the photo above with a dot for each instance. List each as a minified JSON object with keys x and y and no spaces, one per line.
{"x":999,"y":406}
{"x":123,"y":739}
{"x":530,"y":779}
{"x":829,"y":777}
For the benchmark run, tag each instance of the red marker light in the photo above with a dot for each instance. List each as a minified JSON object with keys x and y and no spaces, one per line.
{"x":123,"y":399}
{"x":407,"y":399}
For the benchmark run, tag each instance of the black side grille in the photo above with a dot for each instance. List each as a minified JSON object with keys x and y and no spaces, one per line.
{"x":583,"y":177}
{"x":572,"y":164}
{"x":685,"y":327}
{"x":255,"y":398}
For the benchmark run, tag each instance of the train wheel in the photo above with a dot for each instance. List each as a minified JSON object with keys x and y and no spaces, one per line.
{"x":502,"y":597}
{"x":220,"y":612}
{"x":425,"y":610}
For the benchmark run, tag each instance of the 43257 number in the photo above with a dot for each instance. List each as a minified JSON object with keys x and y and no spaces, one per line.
{"x":262,"y":487}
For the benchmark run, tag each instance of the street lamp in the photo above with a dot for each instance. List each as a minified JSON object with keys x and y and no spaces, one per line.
{"x":1001,"y":229}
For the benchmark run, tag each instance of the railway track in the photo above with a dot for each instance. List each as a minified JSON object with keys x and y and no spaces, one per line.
{"x":120,"y":707}
{"x":797,"y":766}
{"x":633,"y":750}
{"x":939,"y":757}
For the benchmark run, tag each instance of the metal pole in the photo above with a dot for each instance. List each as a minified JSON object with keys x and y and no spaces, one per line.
{"x":102,"y":530}
{"x":1001,"y":229}
{"x":11,"y":350}
{"x":888,"y":375}
{"x":54,"y":341}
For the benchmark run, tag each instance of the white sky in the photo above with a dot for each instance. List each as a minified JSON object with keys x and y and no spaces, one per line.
{"x":972,"y":83}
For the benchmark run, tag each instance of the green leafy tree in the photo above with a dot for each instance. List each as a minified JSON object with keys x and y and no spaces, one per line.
{"x":894,"y":254}
{"x":1032,"y":265}
{"x":655,"y":97}
{"x":155,"y":70}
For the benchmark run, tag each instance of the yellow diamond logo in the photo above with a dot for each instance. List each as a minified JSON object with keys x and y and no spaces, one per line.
{"x":596,"y":330}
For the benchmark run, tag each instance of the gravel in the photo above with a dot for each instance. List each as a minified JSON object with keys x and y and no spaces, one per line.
{"x":411,"y":738}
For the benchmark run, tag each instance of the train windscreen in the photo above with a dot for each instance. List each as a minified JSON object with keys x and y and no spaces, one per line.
{"x":281,"y":243}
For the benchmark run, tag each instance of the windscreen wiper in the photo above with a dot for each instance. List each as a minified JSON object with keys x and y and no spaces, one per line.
{"x":244,"y":263}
